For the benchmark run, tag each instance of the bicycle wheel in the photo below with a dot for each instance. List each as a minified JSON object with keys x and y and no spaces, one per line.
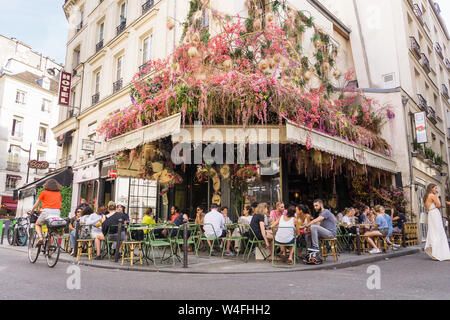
{"x":21,"y":236}
{"x":53,"y":251}
{"x":10,"y":235}
{"x":33,"y":249}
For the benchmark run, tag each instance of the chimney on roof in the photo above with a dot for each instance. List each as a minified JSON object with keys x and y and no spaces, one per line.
{"x":44,"y":82}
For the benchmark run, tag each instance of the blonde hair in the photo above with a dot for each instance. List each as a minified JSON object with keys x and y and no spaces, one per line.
{"x":378,"y":208}
{"x":261,"y":208}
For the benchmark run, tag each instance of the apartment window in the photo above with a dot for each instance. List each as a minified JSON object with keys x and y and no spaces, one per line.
{"x":11,"y":182}
{"x":20,"y":97}
{"x":17,"y":127}
{"x":13,"y":156}
{"x":42,"y":134}
{"x":92,"y":130}
{"x":97,"y":82}
{"x":41,"y":155}
{"x":146,"y":50}
{"x":45,"y":105}
{"x":101,"y":30}
{"x":76,"y":55}
{"x":123,"y":11}
{"x":119,"y":68}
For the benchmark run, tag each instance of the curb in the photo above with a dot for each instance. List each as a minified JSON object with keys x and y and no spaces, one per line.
{"x":333,"y":266}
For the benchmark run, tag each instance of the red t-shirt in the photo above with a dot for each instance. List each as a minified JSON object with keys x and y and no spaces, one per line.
{"x":174,"y":216}
{"x":50,"y":199}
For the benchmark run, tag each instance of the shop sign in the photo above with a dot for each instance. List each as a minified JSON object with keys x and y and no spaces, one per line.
{"x":64,"y":88}
{"x":34,"y":164}
{"x":88,"y":145}
{"x":112,"y":173}
{"x":421,"y":125}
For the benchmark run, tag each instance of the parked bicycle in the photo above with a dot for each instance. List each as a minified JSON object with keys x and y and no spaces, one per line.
{"x":18,"y":232}
{"x":51,"y":247}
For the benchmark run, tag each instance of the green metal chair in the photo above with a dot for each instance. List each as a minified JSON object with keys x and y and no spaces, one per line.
{"x":203,"y":237}
{"x":252,"y":243}
{"x":276,"y":244}
{"x":154,"y":244}
{"x":233,"y":238}
{"x":177,"y":240}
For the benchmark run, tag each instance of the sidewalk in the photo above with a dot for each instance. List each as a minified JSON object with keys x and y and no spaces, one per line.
{"x":226,"y":265}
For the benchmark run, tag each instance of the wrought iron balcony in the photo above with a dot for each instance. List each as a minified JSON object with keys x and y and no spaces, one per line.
{"x":432,"y":115}
{"x":439,"y":50}
{"x":422,"y":103}
{"x":147,"y":6}
{"x":447,"y":64}
{"x":425,"y":63}
{"x":13,"y":166}
{"x":445,"y":91}
{"x":117,"y":85}
{"x":64,"y":162}
{"x":415,"y":47}
{"x":96,"y":98}
{"x":121,"y":27}
{"x":98,"y":46}
{"x":418,"y":13}
{"x":142,"y":68}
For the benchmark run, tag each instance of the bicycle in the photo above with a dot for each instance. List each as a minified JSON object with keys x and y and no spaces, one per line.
{"x":18,"y":232}
{"x":51,"y":247}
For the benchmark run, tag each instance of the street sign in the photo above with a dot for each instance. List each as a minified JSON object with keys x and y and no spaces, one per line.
{"x":88,"y":145}
{"x":421,"y":125}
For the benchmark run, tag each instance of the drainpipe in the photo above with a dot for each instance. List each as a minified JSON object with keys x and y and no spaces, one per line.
{"x":405,"y":100}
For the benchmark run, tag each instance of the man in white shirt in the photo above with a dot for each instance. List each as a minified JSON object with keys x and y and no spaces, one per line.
{"x":215,"y":219}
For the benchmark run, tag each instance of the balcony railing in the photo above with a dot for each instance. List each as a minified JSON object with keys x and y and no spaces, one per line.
{"x":445,"y":91}
{"x":439,"y":50}
{"x":117,"y":85}
{"x":432,"y":115}
{"x":98,"y":46}
{"x":422,"y":103}
{"x":418,"y":13}
{"x":447,"y":64}
{"x":121,"y":27}
{"x":142,"y":68}
{"x":147,"y":6}
{"x":426,"y":63}
{"x":13,"y":166}
{"x":415,"y":47}
{"x":64,"y":162}
{"x":96,"y":98}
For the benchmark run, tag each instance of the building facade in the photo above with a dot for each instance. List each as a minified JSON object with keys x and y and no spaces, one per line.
{"x":404,"y":61}
{"x":28,"y":111}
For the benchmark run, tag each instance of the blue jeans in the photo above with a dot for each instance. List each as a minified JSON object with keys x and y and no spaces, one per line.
{"x":72,"y":239}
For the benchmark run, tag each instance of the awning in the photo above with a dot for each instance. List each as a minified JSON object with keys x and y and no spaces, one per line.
{"x":333,"y":145}
{"x":9,"y":202}
{"x":13,"y":177}
{"x":63,"y":176}
{"x":152,"y":132}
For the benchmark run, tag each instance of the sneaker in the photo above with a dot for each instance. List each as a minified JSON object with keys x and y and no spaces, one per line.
{"x":375,"y":251}
{"x":396,"y":245}
{"x":229,"y":253}
{"x":314,"y":249}
{"x":98,"y":258}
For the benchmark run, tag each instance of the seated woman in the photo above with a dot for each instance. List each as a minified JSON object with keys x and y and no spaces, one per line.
{"x":72,"y":228}
{"x":303,"y":217}
{"x":288,"y":227}
{"x":380,"y":229}
{"x":244,"y":221}
{"x":258,"y":226}
{"x":348,"y":224}
{"x":200,"y":216}
{"x":148,"y":218}
{"x":95,"y":220}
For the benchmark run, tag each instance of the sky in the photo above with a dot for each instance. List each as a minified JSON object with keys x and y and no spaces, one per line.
{"x":43,"y":25}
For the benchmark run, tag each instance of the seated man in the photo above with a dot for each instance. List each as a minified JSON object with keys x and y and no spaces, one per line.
{"x":327,"y":229}
{"x":109,"y":223}
{"x":214,"y":224}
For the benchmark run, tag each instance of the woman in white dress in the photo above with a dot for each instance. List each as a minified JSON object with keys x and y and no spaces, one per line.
{"x":437,"y":244}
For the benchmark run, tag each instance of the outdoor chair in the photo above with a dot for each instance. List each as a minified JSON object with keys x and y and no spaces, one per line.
{"x":328,"y":247}
{"x":110,"y":241}
{"x":128,"y":251}
{"x":234,"y":238}
{"x":253,"y":243}
{"x":276,"y":244}
{"x":177,"y":240}
{"x":85,"y":246}
{"x":203,"y":237}
{"x":154,"y":244}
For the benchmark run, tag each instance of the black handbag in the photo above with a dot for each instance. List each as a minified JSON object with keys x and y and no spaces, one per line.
{"x":34,"y":217}
{"x":137,"y":235}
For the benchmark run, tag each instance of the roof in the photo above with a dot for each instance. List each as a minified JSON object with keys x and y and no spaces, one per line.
{"x":33,"y":79}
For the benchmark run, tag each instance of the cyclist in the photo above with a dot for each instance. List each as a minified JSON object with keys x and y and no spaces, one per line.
{"x":51,"y":205}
